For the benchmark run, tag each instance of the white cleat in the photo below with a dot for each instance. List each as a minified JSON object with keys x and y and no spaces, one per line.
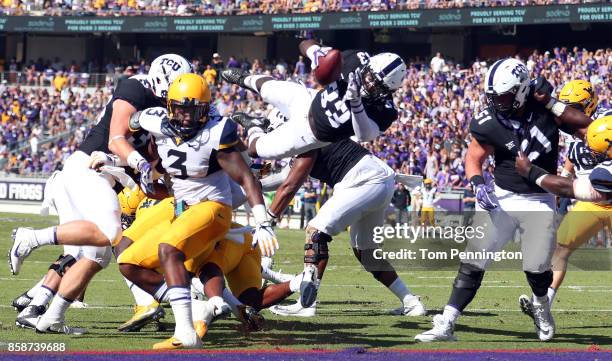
{"x":411,"y":306}
{"x":48,"y":326}
{"x":442,"y":331}
{"x":78,"y":304}
{"x":20,"y":250}
{"x":275,"y":276}
{"x":543,"y":320}
{"x":526,"y":305}
{"x":295,"y":309}
{"x":28,"y":318}
{"x":309,"y":286}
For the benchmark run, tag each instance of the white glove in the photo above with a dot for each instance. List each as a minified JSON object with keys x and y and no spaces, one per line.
{"x":98,"y":159}
{"x":120,"y":175}
{"x":320,"y":52}
{"x":353,"y":89}
{"x":264,"y":236}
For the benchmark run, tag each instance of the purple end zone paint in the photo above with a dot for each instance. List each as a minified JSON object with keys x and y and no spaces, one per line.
{"x":349,"y":354}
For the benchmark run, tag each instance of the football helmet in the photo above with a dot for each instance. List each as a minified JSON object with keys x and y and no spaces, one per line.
{"x":164,"y":69}
{"x":579,"y":94}
{"x":188,"y":104}
{"x":507,"y":86}
{"x":129,"y":199}
{"x":599,"y":138}
{"x":382,"y":75}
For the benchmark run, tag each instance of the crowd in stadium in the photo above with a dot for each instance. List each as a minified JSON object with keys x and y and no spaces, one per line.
{"x":437,"y":101}
{"x":241,"y":7}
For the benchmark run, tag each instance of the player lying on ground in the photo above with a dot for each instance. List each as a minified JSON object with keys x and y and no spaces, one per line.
{"x":199,"y":154}
{"x":520,"y":116}
{"x":584,"y":219}
{"x":95,"y":228}
{"x":360,"y":104}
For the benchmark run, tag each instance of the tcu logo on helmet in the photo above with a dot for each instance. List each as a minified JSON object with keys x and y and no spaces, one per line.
{"x":173,"y":64}
{"x":519,"y":71}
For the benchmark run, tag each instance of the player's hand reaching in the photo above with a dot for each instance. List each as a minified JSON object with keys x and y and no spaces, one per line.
{"x":542,"y":90}
{"x":319,"y":53}
{"x":353,"y":90}
{"x":99,"y":159}
{"x":264,"y":236}
{"x":484,"y":197}
{"x":522,"y":164}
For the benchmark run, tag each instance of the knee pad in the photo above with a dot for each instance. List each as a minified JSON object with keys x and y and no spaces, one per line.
{"x":319,"y":246}
{"x":63,"y":262}
{"x":101,"y":255}
{"x":468,"y":277}
{"x":539,"y":282}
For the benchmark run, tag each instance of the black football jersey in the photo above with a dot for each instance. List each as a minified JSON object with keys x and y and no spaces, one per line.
{"x":337,"y":159}
{"x":537,"y":137}
{"x":134,"y":91}
{"x":331,"y":117}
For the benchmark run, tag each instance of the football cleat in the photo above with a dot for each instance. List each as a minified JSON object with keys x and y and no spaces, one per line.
{"x":47,"y":326}
{"x":235,"y":76}
{"x":248,"y":122}
{"x":295,"y":309}
{"x":526,"y":305}
{"x":309,"y":286}
{"x":174,"y":343}
{"x":543,"y":321}
{"x":442,"y":331}
{"x":142,"y":316}
{"x":252,"y":320}
{"x":20,"y":250}
{"x":275,"y":276}
{"x":411,"y":306}
{"x":28,"y":318}
{"x":79,"y":304}
{"x":22,"y":301}
{"x":200,"y":328}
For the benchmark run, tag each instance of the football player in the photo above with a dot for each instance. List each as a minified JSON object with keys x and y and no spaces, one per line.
{"x":585,"y":219}
{"x":428,"y":214}
{"x":520,"y":116}
{"x":363,"y":186}
{"x":198,"y":152}
{"x":359,"y":104}
{"x":88,"y":208}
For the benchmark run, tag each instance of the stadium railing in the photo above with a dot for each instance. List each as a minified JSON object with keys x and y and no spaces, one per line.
{"x":74,"y":79}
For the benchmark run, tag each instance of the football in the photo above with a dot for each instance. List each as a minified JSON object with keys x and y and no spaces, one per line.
{"x":329,"y":67}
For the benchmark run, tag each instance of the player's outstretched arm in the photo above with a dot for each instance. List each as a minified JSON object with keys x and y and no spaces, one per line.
{"x":234,"y":165}
{"x":120,"y":130}
{"x":297,"y":176}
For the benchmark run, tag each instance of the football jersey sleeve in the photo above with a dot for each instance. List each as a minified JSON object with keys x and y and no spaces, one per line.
{"x":151,"y":120}
{"x":601,"y":177}
{"x":133,"y":92}
{"x":229,"y":135}
{"x":478,"y":127}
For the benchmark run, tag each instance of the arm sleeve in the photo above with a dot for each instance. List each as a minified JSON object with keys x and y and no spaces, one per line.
{"x":365,"y":128}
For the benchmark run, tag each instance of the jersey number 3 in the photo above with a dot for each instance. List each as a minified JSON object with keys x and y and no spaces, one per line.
{"x":179,"y":163}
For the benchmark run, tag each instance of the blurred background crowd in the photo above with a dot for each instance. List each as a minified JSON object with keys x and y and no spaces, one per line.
{"x":241,"y":7}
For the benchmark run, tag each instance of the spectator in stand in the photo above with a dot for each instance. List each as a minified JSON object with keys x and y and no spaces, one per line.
{"x":217,"y":64}
{"x":210,"y":74}
{"x":401,"y":200}
{"x":437,"y":63}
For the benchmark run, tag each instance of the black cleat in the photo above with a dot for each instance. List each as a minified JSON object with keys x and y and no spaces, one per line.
{"x":29,"y":316}
{"x":235,"y":76}
{"x":526,"y":305}
{"x":248,"y":122}
{"x":21,"y":302}
{"x":252,"y":320}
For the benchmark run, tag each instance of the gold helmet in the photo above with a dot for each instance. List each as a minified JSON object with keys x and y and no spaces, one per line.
{"x":599,"y":137}
{"x":129,"y":199}
{"x":188,"y":104}
{"x":579,"y":94}
{"x":427,"y":181}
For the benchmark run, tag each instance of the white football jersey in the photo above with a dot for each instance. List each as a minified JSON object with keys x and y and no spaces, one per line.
{"x":192,"y":165}
{"x":428,"y":196}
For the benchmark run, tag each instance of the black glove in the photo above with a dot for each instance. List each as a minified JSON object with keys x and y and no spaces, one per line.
{"x":542,"y":86}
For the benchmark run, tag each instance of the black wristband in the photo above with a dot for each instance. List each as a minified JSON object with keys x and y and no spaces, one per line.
{"x":477,"y":180}
{"x":535,"y":172}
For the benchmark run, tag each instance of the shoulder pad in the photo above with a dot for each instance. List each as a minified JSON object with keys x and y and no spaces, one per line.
{"x":150,"y":119}
{"x":601,"y":177}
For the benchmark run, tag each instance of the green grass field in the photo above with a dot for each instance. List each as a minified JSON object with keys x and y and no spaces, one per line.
{"x":351,"y":309}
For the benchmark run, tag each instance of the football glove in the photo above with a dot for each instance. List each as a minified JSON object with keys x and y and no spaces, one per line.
{"x":98,"y":159}
{"x":263,"y":235}
{"x":353,"y":89}
{"x":146,"y":176}
{"x":483,"y":197}
{"x":321,"y":52}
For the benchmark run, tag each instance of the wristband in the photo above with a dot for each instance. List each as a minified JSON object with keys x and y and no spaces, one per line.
{"x":550,"y":103}
{"x":540,"y":180}
{"x":535,"y":173}
{"x":259,"y":213}
{"x":134,"y":159}
{"x":558,"y":108}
